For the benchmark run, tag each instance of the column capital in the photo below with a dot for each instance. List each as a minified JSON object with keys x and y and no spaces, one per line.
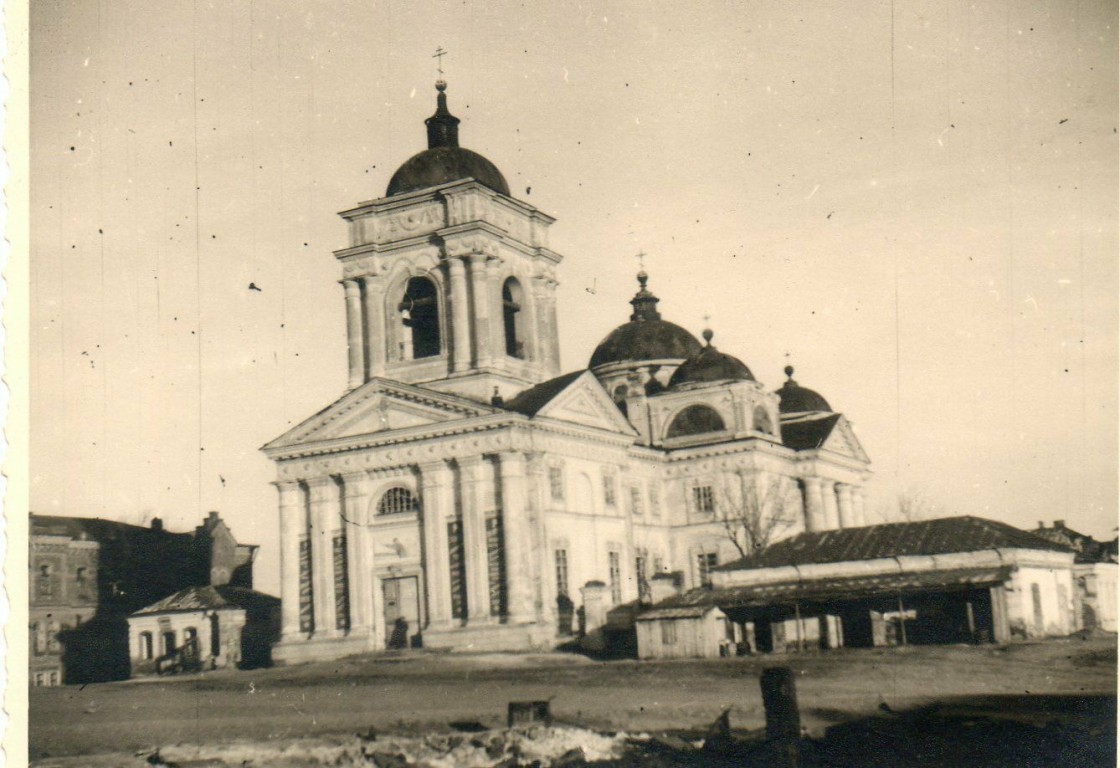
{"x":322,"y":488}
{"x":477,"y":258}
{"x":456,"y":264}
{"x":509,"y":461}
{"x":355,"y":483}
{"x":350,"y":285}
{"x":372,"y":282}
{"x":469,"y":463}
{"x":285,"y":486}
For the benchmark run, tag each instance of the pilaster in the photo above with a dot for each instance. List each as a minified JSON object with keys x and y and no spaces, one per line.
{"x":354,"y":332}
{"x":374,"y":298}
{"x":359,"y":547}
{"x":437,"y":507}
{"x":460,"y":316}
{"x":515,"y":531}
{"x":483,"y":339}
{"x":845,"y":507}
{"x":324,"y":519}
{"x":292,"y":529}
{"x":831,"y":513}
{"x":814,"y":505}
{"x":474,"y":539}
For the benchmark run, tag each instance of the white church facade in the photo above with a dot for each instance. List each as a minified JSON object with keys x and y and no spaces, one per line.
{"x":463,"y":492}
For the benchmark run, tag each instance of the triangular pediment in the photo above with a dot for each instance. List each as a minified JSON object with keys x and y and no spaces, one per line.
{"x":843,"y":440}
{"x":380,"y":406}
{"x":586,"y":403}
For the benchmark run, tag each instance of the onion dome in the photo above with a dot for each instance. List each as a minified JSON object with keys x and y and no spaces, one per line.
{"x":709,"y":366}
{"x":444,"y":160}
{"x":795,"y":398}
{"x":646,"y":336}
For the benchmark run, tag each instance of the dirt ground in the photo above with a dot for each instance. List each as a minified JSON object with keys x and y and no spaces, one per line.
{"x":846,"y":697}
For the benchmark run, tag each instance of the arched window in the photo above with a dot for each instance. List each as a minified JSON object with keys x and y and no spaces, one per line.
{"x":145,"y":645}
{"x":513,"y":318}
{"x":695,"y":420}
{"x":396,"y":501}
{"x":761,"y":421}
{"x":419,"y":310}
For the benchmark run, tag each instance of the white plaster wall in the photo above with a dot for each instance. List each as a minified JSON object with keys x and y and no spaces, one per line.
{"x":1054,"y":585}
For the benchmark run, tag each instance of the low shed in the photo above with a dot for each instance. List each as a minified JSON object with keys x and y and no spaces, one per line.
{"x":692,"y":632}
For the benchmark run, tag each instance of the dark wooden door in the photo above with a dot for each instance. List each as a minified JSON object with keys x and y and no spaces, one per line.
{"x":402,"y":611}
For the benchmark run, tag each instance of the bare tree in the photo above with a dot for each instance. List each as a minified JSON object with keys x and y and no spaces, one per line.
{"x":914,"y":505}
{"x":756,"y":509}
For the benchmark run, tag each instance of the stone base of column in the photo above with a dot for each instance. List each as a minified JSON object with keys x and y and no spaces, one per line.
{"x":297,"y":651}
{"x":494,"y":637}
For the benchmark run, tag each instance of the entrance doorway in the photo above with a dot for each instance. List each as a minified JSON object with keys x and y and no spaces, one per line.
{"x":402,"y":611}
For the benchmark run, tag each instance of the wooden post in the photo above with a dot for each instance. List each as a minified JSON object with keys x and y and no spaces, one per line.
{"x":901,"y":619}
{"x":783,"y":721}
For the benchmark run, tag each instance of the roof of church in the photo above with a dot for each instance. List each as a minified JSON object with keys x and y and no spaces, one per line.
{"x":646,"y":336}
{"x":444,"y":160}
{"x":809,"y":433}
{"x":794,"y":398}
{"x":925,"y":537}
{"x":207,"y":598}
{"x":710,"y":365}
{"x":533,"y":399}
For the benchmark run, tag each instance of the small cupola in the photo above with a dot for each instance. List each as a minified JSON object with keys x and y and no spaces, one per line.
{"x":710,"y":366}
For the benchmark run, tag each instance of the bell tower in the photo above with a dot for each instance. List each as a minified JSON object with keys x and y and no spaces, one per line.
{"x":449,"y":281}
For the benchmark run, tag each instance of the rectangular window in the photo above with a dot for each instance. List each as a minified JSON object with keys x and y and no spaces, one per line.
{"x":616,"y":576}
{"x":668,"y":632}
{"x":306,"y":597}
{"x":703,"y":501}
{"x":654,"y":501}
{"x":609,"y":485}
{"x":556,"y":483}
{"x":458,"y":569}
{"x":38,"y":679}
{"x":341,"y":584}
{"x":54,"y":678}
{"x":37,"y":645}
{"x":496,"y":566}
{"x":705,"y":562}
{"x":640,"y":574}
{"x":46,"y":585}
{"x":636,"y":501}
{"x":562,"y":572}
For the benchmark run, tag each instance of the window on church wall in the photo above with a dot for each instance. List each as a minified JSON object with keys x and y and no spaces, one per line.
{"x":513,"y":318}
{"x":695,"y":420}
{"x":556,"y":482}
{"x":306,"y":594}
{"x":703,"y":500}
{"x":396,"y":501}
{"x":495,"y":566}
{"x":609,"y":488}
{"x":457,"y":569}
{"x":654,"y":501}
{"x":561,"y":557}
{"x":761,"y":421}
{"x":705,"y":562}
{"x":341,"y":583}
{"x":614,"y":561}
{"x":636,"y":509}
{"x":640,"y":561}
{"x":146,"y":647}
{"x":419,"y":313}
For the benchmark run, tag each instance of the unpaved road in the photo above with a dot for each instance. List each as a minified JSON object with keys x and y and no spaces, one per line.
{"x":414,"y":694}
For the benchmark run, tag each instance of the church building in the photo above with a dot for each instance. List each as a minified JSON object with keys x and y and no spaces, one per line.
{"x":466,"y":493}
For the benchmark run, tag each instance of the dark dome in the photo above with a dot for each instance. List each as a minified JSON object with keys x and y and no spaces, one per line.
{"x":443,"y":164}
{"x":444,"y":160}
{"x":710,"y":365}
{"x":794,"y":398}
{"x":646,"y":336}
{"x":645,"y":340}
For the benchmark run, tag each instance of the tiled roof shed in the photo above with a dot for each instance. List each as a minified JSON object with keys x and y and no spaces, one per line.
{"x":925,"y":537}
{"x":209,"y":599}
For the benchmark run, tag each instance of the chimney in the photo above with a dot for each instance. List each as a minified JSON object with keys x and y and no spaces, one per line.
{"x":157,"y":523}
{"x":1059,"y":523}
{"x":1041,"y":524}
{"x":497,"y":400}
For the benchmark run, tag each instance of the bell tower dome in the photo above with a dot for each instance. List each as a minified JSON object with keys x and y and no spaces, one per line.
{"x":449,"y":280}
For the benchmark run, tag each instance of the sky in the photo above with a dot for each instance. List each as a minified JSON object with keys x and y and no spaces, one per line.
{"x":913,"y":203}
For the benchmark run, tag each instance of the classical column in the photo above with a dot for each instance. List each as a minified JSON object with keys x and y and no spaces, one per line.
{"x":858,"y":511}
{"x":814,"y":505}
{"x":374,"y":298}
{"x":359,"y":548}
{"x":846,"y":511}
{"x":354,"y":332}
{"x":831,"y":513}
{"x":474,"y":539}
{"x":541,"y":575}
{"x":460,"y":316}
{"x":552,"y":340}
{"x":483,"y":351}
{"x":515,"y":532}
{"x":292,"y":528}
{"x":436,"y":502}
{"x":497,"y":323}
{"x":324,"y":517}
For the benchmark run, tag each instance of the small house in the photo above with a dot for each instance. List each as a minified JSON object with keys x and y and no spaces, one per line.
{"x":691,"y":632}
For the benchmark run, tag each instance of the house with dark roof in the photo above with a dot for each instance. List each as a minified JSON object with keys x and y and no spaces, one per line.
{"x":90,"y":574}
{"x":949,"y":580}
{"x":1094,"y":572}
{"x":204,"y":627}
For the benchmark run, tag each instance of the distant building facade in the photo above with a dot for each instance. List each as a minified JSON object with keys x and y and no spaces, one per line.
{"x":1095,"y":573}
{"x":88,"y":575}
{"x":464,"y":491}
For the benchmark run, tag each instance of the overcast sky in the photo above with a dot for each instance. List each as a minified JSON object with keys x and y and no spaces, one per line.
{"x":917,"y":202}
